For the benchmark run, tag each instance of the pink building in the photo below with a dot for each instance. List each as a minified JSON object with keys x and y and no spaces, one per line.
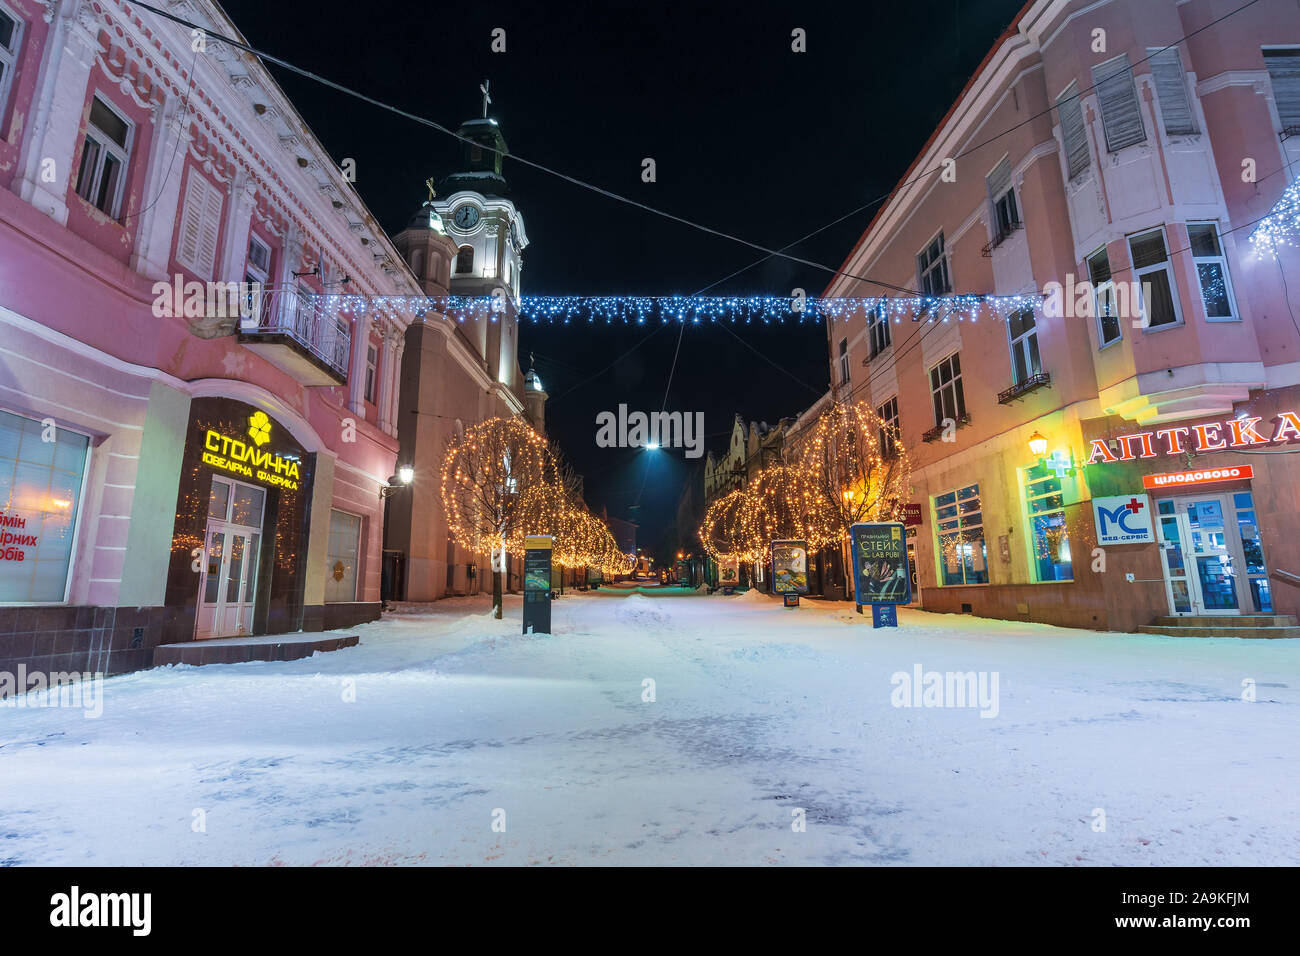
{"x":176,"y":467}
{"x":1121,"y":154}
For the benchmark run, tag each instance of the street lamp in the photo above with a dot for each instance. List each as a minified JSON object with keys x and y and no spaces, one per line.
{"x":1037,"y":445}
{"x":405,"y":475}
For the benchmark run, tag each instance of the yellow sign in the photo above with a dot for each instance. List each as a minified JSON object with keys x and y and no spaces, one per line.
{"x":539,"y":543}
{"x":240,"y":458}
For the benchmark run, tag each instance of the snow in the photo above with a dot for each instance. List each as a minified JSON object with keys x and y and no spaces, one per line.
{"x":757,"y":711}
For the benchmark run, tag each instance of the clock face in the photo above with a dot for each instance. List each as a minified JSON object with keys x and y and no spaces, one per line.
{"x":466,"y":216}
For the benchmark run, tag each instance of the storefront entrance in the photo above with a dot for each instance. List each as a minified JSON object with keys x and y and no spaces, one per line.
{"x":233,"y":542}
{"x":1212,"y":556}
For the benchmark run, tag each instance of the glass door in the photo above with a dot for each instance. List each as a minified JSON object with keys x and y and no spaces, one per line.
{"x":1180,"y":586}
{"x":229,"y":573}
{"x":1213,"y":546}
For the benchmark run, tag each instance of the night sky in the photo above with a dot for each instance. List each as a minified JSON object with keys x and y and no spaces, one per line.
{"x":748,"y":137}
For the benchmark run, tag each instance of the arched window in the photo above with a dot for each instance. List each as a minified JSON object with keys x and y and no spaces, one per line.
{"x":465,"y":260}
{"x":417,"y":263}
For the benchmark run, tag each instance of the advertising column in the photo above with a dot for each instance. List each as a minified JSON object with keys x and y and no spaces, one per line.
{"x":880,"y":572}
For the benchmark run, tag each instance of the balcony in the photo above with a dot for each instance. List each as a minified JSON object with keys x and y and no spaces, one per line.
{"x":304,"y":335}
{"x":1021,"y":389}
{"x":1000,"y":238}
{"x":935,"y":433}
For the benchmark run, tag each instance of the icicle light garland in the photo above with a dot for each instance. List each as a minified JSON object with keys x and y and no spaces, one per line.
{"x":690,"y":310}
{"x":1282,"y":224}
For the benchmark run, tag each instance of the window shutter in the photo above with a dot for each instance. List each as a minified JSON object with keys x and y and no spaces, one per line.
{"x":1171,"y":89}
{"x":196,"y":247}
{"x":1072,"y":132}
{"x":1117,"y":95}
{"x":999,"y":181}
{"x":1284,"y":71}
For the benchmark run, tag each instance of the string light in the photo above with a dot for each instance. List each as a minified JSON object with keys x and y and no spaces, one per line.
{"x":692,"y":310}
{"x":1282,"y":224}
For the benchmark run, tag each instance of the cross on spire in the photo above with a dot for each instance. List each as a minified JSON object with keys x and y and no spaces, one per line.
{"x":429,"y":183}
{"x":487,"y":98}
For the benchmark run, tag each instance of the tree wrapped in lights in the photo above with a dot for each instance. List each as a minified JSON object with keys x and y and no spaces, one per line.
{"x":782,"y":503}
{"x":722,"y":532}
{"x":858,"y":466}
{"x":485,"y":474}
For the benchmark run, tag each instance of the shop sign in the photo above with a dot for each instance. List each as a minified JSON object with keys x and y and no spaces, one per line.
{"x":1209,"y":436}
{"x":247,"y":459}
{"x":1123,"y":519}
{"x":1175,"y":479}
{"x":912,"y":514}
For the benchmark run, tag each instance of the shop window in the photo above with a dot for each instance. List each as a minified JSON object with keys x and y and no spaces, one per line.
{"x":1103,"y":298}
{"x":1284,"y":75}
{"x":946,"y":391}
{"x":1211,"y":270}
{"x":1025,"y":363}
{"x":1171,"y":91}
{"x":1117,"y":96}
{"x":889,"y":433}
{"x":932,"y":268}
{"x":343,"y":557}
{"x":196,"y":245}
{"x":1073,"y":135}
{"x":42,"y":469}
{"x":1152,"y":273}
{"x":959,"y":533}
{"x":104,"y":159}
{"x":877,"y":330}
{"x":10,"y":34}
{"x":1049,"y":536}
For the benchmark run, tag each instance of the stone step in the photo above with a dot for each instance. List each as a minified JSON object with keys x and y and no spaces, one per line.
{"x":237,"y":650}
{"x":1228,"y":620}
{"x":1256,"y":632}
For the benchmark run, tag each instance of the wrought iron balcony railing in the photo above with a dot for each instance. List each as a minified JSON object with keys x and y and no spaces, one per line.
{"x":313,"y":324}
{"x":1021,"y":389}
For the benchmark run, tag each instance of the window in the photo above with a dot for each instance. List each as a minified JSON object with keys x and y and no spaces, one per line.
{"x":259,"y":260}
{"x":1103,"y":294}
{"x":1151,"y":272}
{"x":1211,"y":270}
{"x":844,"y":361}
{"x":465,"y":261}
{"x":1024,"y":345}
{"x":1073,"y":135}
{"x":1006,"y":216}
{"x":1117,"y":95}
{"x":877,"y":330}
{"x":196,"y":246}
{"x":372,"y":361}
{"x":889,"y":434}
{"x":104,"y":159}
{"x":1171,"y":91}
{"x":1253,"y":551}
{"x":9,"y":35}
{"x":932,"y":266}
{"x":40,"y":494}
{"x":1284,"y":71}
{"x":959,"y":532}
{"x":946,"y":392}
{"x":1048,"y":534}
{"x":344,"y":551}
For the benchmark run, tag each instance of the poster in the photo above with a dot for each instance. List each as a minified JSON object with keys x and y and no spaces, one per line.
{"x":729,"y":572}
{"x":1123,"y":519}
{"x":790,"y":567}
{"x":880,"y":571}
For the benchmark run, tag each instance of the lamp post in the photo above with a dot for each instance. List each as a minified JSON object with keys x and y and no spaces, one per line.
{"x":398,"y":482}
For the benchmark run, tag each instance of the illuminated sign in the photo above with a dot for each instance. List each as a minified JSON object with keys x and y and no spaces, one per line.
{"x":1175,"y":478}
{"x":1210,"y":436}
{"x":1123,"y":519}
{"x":249,"y":460}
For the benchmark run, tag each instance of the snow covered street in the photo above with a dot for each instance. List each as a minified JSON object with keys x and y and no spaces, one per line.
{"x":773,"y":737}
